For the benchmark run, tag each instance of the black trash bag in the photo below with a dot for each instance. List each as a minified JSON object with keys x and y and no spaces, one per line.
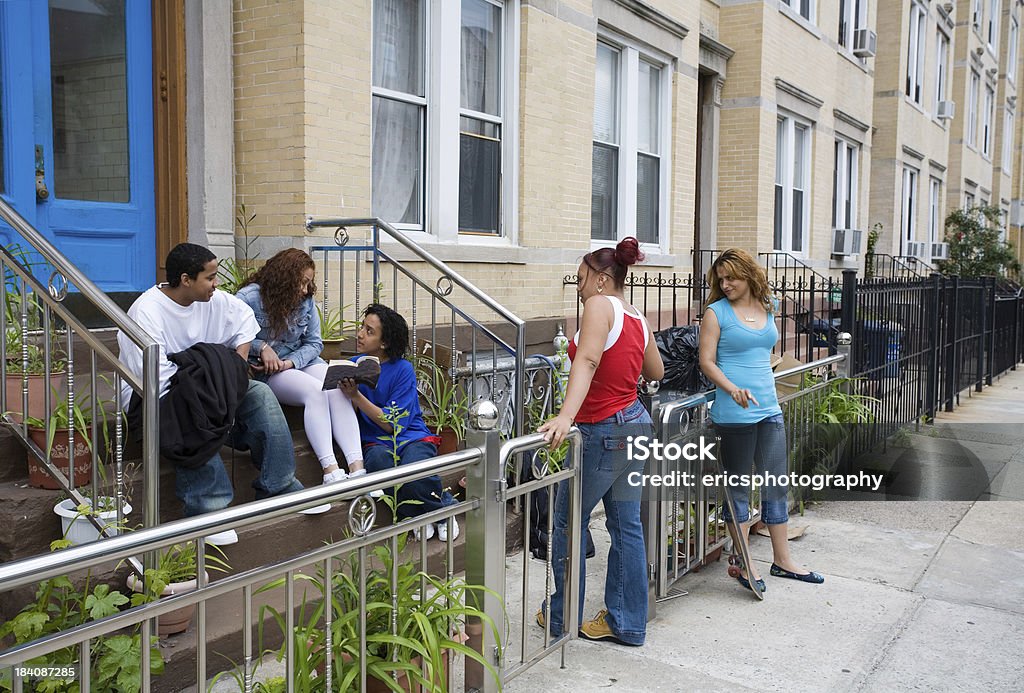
{"x":679,"y":351}
{"x":539,"y":527}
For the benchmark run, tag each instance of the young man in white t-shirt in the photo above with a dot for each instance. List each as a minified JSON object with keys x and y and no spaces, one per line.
{"x":185,"y":311}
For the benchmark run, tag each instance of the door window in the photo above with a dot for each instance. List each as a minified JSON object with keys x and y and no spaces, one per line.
{"x":88,"y":84}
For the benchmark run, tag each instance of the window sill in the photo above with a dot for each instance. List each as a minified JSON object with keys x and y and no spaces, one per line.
{"x":857,"y":62}
{"x":800,"y":21}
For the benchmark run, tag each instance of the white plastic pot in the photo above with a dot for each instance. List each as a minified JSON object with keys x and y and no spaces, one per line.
{"x":78,"y":529}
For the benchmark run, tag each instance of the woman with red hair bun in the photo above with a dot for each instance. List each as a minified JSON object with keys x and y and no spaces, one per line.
{"x":613,"y":348}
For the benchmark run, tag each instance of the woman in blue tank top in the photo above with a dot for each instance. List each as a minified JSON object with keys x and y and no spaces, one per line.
{"x":736,"y":339}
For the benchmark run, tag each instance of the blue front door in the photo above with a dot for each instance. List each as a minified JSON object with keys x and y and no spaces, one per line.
{"x":76,"y":132}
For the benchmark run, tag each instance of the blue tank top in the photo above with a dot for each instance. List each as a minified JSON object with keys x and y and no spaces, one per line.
{"x":744,"y":355}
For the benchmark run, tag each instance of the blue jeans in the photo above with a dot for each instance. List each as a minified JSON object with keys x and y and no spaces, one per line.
{"x":606,"y":468}
{"x":414,"y":497}
{"x":761,"y":445}
{"x":261,"y":428}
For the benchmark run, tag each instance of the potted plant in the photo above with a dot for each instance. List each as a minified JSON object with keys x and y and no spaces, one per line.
{"x":175,"y":573}
{"x":445,"y":405}
{"x":60,"y":606}
{"x":410,"y":634}
{"x":333,"y":331}
{"x":53,"y":436}
{"x":76,"y":526}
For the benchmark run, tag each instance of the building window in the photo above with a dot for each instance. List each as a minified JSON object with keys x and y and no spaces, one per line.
{"x":480,"y":121}
{"x":972,"y":110}
{"x":399,"y":112}
{"x":792,"y":183}
{"x":976,"y":18}
{"x":968,"y":200}
{"x":993,"y":24}
{"x":629,"y":173}
{"x":941,"y":67}
{"x":934,"y":217}
{"x":1007,"y":141}
{"x":908,"y":223}
{"x":852,"y":16}
{"x":805,"y":8}
{"x":1011,"y":63}
{"x":417,"y":123}
{"x":844,"y":186}
{"x":988,"y":118}
{"x":915,"y":52}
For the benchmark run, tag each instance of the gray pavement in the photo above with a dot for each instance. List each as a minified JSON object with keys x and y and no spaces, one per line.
{"x":918,"y":595}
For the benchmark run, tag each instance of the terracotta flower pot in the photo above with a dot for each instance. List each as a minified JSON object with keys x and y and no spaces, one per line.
{"x":178,"y":620}
{"x":37,"y":387}
{"x":37,"y":474}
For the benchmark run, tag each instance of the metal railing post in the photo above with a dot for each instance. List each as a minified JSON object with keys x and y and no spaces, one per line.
{"x":990,"y":371}
{"x":485,"y":543}
{"x":952,"y":332}
{"x":848,"y":308}
{"x":650,"y":503}
{"x":933,"y":350}
{"x":151,"y":434}
{"x":844,"y":348}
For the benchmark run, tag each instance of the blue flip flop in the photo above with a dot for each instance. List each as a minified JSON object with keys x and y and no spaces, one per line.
{"x":811,"y":577}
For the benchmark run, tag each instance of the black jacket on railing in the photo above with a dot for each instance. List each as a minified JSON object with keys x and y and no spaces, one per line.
{"x":198,"y":411}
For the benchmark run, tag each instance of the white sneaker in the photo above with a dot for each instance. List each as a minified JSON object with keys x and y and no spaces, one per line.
{"x":316,"y":509}
{"x":335,"y":476}
{"x":429,"y":532}
{"x":358,"y":472}
{"x":442,"y":530}
{"x":228,"y":536}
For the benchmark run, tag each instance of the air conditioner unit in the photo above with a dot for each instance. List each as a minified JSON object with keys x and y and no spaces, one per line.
{"x":940,"y":251}
{"x":846,"y":241}
{"x":864,"y":43}
{"x":946,"y":110}
{"x":916,"y":249}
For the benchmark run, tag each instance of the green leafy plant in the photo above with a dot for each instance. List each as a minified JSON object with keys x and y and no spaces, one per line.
{"x":869,"y":255}
{"x":178,"y":564}
{"x":233,"y":273}
{"x":114,"y":659}
{"x":976,"y":248}
{"x":446,"y":404}
{"x":79,"y":415}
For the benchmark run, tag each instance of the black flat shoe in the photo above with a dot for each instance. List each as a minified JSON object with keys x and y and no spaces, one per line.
{"x":760,"y":583}
{"x":811,"y":577}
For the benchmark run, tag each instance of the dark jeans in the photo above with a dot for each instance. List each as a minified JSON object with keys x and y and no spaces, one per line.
{"x":261,"y":428}
{"x":414,"y":497}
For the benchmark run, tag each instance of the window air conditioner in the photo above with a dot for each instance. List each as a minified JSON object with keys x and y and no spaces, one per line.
{"x":946,"y":110}
{"x":940,"y":251}
{"x":864,"y":43}
{"x":846,"y":241}
{"x":916,"y":249}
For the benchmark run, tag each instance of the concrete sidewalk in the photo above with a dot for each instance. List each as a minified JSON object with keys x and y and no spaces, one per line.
{"x":918,"y":595}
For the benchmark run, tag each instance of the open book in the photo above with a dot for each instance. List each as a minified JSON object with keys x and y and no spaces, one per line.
{"x":366,"y":371}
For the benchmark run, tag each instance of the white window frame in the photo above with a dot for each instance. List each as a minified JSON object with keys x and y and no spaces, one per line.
{"x":977,"y":18}
{"x":941,"y":67}
{"x":1014,"y":38}
{"x":934,"y":208}
{"x":845,"y":176}
{"x":630,"y":55}
{"x":968,"y":200}
{"x":804,"y":8}
{"x":988,"y":121}
{"x":793,"y":127}
{"x":908,"y":204}
{"x":1007,"y":156}
{"x":442,"y":56}
{"x":973,"y":95}
{"x":993,"y":26}
{"x":852,"y":16}
{"x":913,"y":86}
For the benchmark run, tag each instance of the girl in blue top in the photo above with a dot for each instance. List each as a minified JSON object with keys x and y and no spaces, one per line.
{"x":385,"y":334}
{"x":286,"y":355}
{"x":736,"y":339}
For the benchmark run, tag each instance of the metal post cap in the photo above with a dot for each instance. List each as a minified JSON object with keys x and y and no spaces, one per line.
{"x":483,"y":415}
{"x":650,"y":387}
{"x":560,"y":342}
{"x":844,"y":339}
